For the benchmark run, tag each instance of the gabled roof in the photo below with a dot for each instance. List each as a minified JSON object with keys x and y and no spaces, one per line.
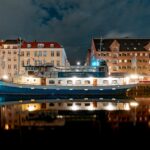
{"x":126,"y":44}
{"x":36,"y":44}
{"x":10,"y":42}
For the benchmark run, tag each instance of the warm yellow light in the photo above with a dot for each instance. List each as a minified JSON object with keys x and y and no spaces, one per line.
{"x":5,"y":77}
{"x":6,"y":127}
{"x":31,"y":107}
{"x":90,"y":108}
{"x":126,"y":106}
{"x":134,"y":76}
{"x":110,"y":107}
{"x":134,"y":104}
{"x":74,"y":107}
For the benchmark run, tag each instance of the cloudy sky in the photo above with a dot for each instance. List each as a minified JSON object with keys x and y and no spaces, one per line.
{"x":73,"y":23}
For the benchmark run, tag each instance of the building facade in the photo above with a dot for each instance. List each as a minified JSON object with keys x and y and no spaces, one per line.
{"x":122,"y":55}
{"x":15,"y":54}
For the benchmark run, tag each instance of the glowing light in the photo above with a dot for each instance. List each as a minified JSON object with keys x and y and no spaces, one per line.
{"x":110,"y":107}
{"x":31,"y":108}
{"x":5,"y":77}
{"x":134,"y":104}
{"x":134,"y":76}
{"x":126,"y":106}
{"x":74,"y":107}
{"x":78,"y":63}
{"x":90,"y":108}
{"x":6,"y":127}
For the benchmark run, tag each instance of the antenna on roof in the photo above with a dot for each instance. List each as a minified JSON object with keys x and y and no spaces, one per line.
{"x":100,"y":43}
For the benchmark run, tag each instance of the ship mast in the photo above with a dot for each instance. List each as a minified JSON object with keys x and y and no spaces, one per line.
{"x":100,"y":43}
{"x":19,"y":49}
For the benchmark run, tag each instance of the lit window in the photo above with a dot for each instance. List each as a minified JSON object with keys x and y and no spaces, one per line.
{"x":69,"y":81}
{"x":78,"y":82}
{"x":86,"y":82}
{"x":40,"y":45}
{"x":51,"y":82}
{"x":105,"y":82}
{"x":51,"y":45}
{"x":28,"y":45}
{"x":114,"y":82}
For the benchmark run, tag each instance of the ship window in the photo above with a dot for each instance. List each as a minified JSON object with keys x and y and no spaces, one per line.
{"x":78,"y":104}
{"x":60,"y":82}
{"x":87,"y":104}
{"x":69,"y":104}
{"x":114,"y":82}
{"x":51,"y":104}
{"x":78,"y":82}
{"x":105,"y":82}
{"x":69,"y":81}
{"x":87,"y":82}
{"x":51,"y":82}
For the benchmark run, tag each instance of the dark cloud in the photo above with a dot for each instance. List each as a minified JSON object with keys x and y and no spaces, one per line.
{"x":73,"y":22}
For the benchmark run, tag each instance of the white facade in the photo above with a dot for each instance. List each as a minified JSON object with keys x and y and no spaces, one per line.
{"x":31,"y":53}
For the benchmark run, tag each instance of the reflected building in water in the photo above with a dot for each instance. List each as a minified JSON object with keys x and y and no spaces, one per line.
{"x":51,"y":114}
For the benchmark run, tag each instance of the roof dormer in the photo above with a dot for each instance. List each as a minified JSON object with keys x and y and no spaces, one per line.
{"x":115,"y":46}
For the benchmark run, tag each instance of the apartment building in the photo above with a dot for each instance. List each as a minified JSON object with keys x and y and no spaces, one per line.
{"x":15,"y":54}
{"x":124,"y":55}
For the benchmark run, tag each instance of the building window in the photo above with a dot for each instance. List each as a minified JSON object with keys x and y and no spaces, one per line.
{"x":45,"y":53}
{"x":115,"y":68}
{"x":40,"y":53}
{"x":52,"y":53}
{"x":35,"y":53}
{"x":9,"y":52}
{"x":15,"y":66}
{"x":15,"y":52}
{"x":58,"y":63}
{"x":52,"y":45}
{"x":28,"y":53}
{"x":28,"y":45}
{"x":22,"y":63}
{"x":22,"y":53}
{"x":52,"y":62}
{"x":28,"y":62}
{"x":40,"y":45}
{"x":58,"y":53}
{"x":9,"y":66}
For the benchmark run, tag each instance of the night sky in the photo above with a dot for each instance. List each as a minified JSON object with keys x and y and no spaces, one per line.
{"x":73,"y":23}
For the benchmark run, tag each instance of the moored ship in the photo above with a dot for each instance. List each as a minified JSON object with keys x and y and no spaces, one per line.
{"x":73,"y":82}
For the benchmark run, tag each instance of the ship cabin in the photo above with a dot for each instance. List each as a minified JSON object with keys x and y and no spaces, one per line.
{"x":69,"y":76}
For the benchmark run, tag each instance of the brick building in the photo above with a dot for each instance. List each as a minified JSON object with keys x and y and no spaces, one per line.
{"x":124,"y":55}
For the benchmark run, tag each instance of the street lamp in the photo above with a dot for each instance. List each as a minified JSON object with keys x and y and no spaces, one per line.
{"x":78,"y":63}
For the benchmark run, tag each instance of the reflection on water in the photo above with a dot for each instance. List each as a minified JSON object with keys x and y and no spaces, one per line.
{"x":100,"y":119}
